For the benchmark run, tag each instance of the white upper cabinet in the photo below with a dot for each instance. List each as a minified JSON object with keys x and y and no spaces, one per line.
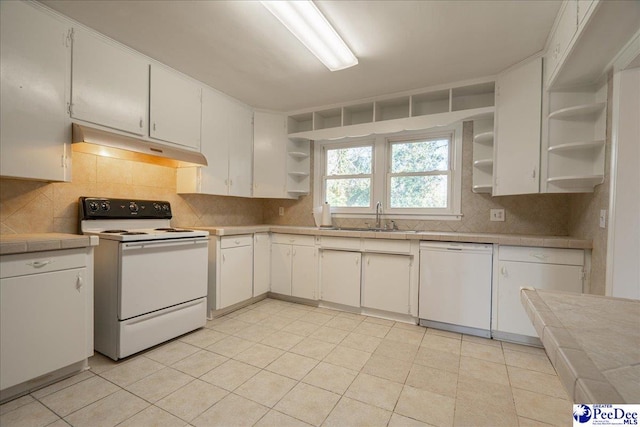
{"x":269,"y":151}
{"x":563,"y":33}
{"x":240,"y":119}
{"x":175,"y":108}
{"x":110,"y":84}
{"x":35,"y":57}
{"x":517,"y":140}
{"x":227,"y":136}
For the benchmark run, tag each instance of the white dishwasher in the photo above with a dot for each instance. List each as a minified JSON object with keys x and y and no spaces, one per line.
{"x":455,"y":287}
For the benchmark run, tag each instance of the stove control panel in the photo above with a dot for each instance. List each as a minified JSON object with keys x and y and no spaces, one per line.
{"x":103,"y":208}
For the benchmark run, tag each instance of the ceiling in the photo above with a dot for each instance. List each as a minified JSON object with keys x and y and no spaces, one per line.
{"x":239,"y":48}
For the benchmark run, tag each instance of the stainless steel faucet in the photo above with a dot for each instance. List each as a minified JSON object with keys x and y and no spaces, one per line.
{"x":378,"y":213}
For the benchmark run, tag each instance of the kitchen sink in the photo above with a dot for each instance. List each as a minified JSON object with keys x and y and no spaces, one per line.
{"x":386,"y":230}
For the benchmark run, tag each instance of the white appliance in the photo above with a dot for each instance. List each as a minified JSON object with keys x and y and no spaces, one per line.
{"x":150,"y":279}
{"x":455,"y":287}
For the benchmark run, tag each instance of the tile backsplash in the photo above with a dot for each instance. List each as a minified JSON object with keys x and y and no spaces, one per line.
{"x":542,"y":214}
{"x":36,"y":207}
{"x":40,"y":207}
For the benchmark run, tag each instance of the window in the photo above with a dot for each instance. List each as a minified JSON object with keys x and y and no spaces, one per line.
{"x":348,"y":176}
{"x":419,"y":173}
{"x":414,"y":175}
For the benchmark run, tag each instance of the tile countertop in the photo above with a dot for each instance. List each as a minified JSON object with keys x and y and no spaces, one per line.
{"x":24,"y":243}
{"x":503,"y":239}
{"x":593,"y":342}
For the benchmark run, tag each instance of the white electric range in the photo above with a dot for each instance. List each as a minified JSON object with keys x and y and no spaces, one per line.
{"x":150,"y":278}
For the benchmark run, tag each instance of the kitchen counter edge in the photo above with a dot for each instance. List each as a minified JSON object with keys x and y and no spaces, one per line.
{"x":588,"y":360}
{"x":27,"y":243}
{"x":503,"y":239}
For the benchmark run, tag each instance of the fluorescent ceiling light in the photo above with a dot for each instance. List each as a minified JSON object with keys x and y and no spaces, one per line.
{"x":307,"y":23}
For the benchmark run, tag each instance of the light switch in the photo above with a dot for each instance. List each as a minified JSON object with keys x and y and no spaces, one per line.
{"x":281,"y":211}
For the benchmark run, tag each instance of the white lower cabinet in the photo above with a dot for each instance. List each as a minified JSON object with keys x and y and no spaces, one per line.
{"x":540,"y":268}
{"x":386,"y":282}
{"x":56,"y":287}
{"x":340,"y":275}
{"x":294,"y":266}
{"x":235,"y":279}
{"x":261,"y":263}
{"x":281,"y":268}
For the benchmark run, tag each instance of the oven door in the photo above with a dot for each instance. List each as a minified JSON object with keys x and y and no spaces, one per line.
{"x":159,"y":274}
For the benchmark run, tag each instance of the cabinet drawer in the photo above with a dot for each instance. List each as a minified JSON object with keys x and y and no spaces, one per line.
{"x":293,"y":239}
{"x":42,"y":262}
{"x":348,"y":243}
{"x":541,"y":255}
{"x":387,"y":246}
{"x":236,"y":241}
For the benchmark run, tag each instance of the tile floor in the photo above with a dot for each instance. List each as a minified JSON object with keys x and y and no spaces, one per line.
{"x":281,"y":364}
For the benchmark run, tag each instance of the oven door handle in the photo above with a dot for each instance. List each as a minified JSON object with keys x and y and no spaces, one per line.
{"x":164,"y":244}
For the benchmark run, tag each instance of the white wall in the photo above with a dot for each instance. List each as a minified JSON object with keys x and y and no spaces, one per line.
{"x":624,"y":256}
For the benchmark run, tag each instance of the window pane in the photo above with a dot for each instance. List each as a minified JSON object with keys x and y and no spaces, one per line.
{"x":349,"y":161}
{"x":420,"y":156}
{"x":419,"y":191}
{"x":353,"y":192}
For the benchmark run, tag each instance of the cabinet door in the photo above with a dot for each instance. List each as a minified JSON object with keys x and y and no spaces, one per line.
{"x":340,"y":277}
{"x":561,"y":39}
{"x":281,"y":269}
{"x":261,"y":263}
{"x":29,"y":346}
{"x":518,"y":119}
{"x":240,"y":150}
{"x":269,"y":161}
{"x":511,"y":316}
{"x":236,"y":275}
{"x":110,"y":85}
{"x":304,"y":272}
{"x":214,"y":178}
{"x":386,"y":281}
{"x":35,"y":57}
{"x":175,"y":108}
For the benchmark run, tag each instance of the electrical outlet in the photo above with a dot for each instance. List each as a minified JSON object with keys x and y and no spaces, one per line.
{"x":281,"y":211}
{"x":603,"y":218}
{"x":496,"y":215}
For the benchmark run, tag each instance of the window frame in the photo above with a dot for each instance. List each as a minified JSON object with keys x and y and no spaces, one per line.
{"x":381,"y":171}
{"x":369,"y":142}
{"x":389,"y":142}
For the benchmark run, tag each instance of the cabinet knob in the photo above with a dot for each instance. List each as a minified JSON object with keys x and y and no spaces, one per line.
{"x":357,"y":261}
{"x":154,"y":126}
{"x":79,"y":282}
{"x":141,"y":123}
{"x":504,"y":272}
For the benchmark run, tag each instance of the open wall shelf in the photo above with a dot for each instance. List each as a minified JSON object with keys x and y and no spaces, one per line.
{"x":576,"y":129}
{"x":483,"y":133}
{"x":398,"y":109}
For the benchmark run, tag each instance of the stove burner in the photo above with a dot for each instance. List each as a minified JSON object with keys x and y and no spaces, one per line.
{"x":173,"y":230}
{"x":115,"y":231}
{"x":131,"y":233}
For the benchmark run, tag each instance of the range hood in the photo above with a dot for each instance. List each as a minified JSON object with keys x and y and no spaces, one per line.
{"x":97,"y":141}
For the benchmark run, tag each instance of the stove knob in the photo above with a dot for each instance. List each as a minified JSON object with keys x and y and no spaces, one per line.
{"x":157,"y":207}
{"x":165,"y":208}
{"x":133,"y":207}
{"x":93,"y":206}
{"x":106,"y":206}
